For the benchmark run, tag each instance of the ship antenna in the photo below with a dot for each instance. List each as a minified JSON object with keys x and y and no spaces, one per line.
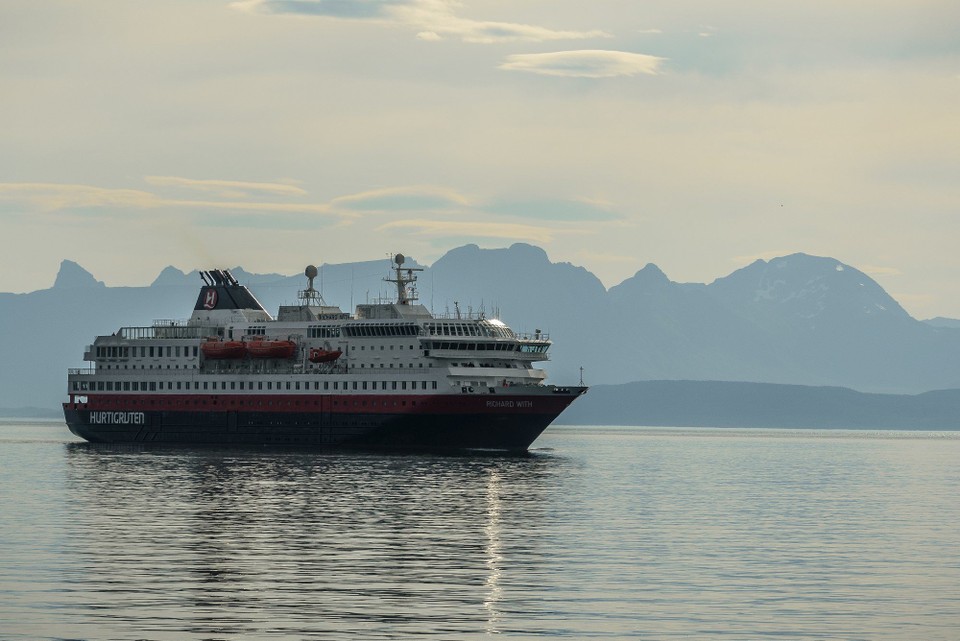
{"x":310,"y":296}
{"x":404,"y":296}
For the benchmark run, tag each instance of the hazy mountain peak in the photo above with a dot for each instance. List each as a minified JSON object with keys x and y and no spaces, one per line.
{"x":170,"y":276}
{"x":649,"y":279}
{"x":529,"y":251}
{"x":801,"y":261}
{"x":519,"y":277}
{"x":808,"y":286}
{"x":520,"y":252}
{"x":790,"y":273}
{"x":72,"y":275}
{"x":652,"y":273}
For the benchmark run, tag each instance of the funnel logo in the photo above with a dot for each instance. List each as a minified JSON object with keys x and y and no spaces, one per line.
{"x":210,"y":299}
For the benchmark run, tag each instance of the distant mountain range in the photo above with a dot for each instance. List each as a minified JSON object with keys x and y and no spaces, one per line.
{"x":798,"y":319}
{"x":761,"y":405}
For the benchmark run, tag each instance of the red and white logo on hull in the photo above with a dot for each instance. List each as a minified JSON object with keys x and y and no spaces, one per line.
{"x":210,"y":299}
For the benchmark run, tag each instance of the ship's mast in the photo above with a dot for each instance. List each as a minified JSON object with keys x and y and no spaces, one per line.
{"x":404,"y":296}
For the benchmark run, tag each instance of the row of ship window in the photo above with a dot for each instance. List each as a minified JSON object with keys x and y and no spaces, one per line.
{"x":250,"y":402}
{"x":374,"y":347}
{"x":377,"y":330}
{"x":496,"y":347}
{"x":431,"y":329}
{"x":389,"y":365}
{"x":241,"y":367}
{"x":315,"y":331}
{"x":108,"y":366}
{"x":143,"y":351}
{"x":178,"y":351}
{"x":153,"y":386}
{"x":469,"y":329}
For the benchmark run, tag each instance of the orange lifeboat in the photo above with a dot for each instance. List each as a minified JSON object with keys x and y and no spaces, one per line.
{"x":318,"y":355}
{"x":271,"y":348}
{"x":219,"y":349}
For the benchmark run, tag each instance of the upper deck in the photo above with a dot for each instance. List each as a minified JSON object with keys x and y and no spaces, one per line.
{"x":398,"y":341}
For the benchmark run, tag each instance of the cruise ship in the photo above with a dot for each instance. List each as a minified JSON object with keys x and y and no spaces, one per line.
{"x":390,"y":376}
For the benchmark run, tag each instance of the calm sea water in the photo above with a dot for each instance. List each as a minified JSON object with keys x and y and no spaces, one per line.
{"x":599,"y":533}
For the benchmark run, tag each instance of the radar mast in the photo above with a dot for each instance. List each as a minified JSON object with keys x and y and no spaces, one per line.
{"x":404,"y":295}
{"x":310,"y":296}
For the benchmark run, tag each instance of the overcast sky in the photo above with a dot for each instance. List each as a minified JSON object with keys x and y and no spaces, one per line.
{"x":694,"y":134}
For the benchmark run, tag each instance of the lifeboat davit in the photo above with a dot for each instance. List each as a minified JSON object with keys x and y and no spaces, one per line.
{"x":219,"y":349}
{"x":271,"y":348}
{"x":318,"y":355}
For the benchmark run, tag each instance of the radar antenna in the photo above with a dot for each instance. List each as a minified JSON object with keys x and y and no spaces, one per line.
{"x":404,"y":295}
{"x":310,"y":296}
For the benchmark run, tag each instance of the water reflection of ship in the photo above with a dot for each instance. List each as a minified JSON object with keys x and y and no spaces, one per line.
{"x":494,"y":552}
{"x":368,"y":540}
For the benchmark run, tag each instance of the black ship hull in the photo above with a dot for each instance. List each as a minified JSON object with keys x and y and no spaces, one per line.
{"x":427,"y":424}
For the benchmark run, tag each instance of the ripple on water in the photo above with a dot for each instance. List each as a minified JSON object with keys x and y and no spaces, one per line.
{"x":658,"y":534}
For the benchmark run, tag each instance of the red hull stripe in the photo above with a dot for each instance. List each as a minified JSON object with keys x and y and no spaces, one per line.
{"x":345,"y":404}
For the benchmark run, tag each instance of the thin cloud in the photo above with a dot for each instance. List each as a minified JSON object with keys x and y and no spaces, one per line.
{"x":49,"y":197}
{"x":424,"y":227}
{"x":707,"y":31}
{"x":347,"y":9}
{"x":764,"y":256}
{"x":58,"y":197}
{"x":560,"y":210}
{"x":311,"y":208}
{"x":875,"y":270}
{"x":437,"y":17}
{"x":230,"y":186}
{"x":434,"y":19}
{"x":402,"y":199}
{"x":584,"y":64}
{"x":604,"y":257}
{"x":429,"y":36}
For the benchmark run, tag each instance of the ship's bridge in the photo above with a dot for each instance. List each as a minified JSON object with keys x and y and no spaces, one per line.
{"x":483,"y":327}
{"x":389,"y":311}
